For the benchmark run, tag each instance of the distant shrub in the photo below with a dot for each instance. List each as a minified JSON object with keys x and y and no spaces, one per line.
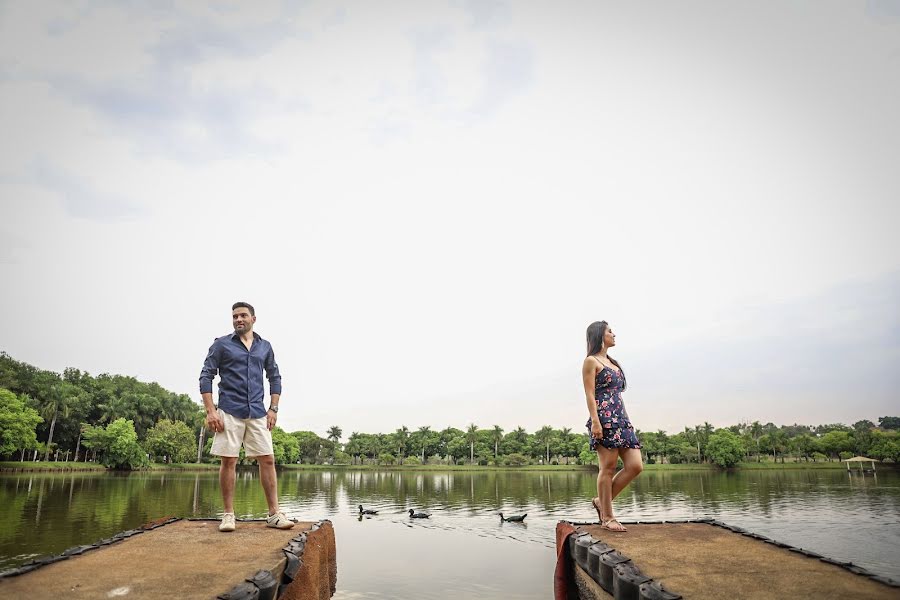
{"x":412,"y":461}
{"x":515,"y":460}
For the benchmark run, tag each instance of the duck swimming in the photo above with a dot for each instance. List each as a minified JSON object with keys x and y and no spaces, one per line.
{"x":414,"y":515}
{"x":514,"y":518}
{"x":367,"y":511}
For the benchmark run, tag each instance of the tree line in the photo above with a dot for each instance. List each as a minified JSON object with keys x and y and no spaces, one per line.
{"x":125,"y":423}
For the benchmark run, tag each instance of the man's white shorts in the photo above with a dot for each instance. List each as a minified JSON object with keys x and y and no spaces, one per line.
{"x":252,"y":433}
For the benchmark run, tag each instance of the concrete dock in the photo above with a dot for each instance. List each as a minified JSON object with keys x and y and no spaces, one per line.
{"x":706,"y":561}
{"x":178,"y":558}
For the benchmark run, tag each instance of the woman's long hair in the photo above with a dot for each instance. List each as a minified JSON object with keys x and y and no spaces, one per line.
{"x":595,"y":333}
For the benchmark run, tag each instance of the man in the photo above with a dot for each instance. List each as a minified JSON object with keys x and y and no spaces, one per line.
{"x":241,"y":418}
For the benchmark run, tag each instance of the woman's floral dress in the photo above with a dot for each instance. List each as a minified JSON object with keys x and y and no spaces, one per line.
{"x":614,"y":421}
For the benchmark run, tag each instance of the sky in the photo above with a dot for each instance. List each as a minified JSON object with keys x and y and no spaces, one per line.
{"x":429,"y":202}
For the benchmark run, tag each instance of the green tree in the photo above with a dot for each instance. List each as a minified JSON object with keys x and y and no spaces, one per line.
{"x":458,"y":447}
{"x":885,"y":445}
{"x":471,"y":438}
{"x":53,"y":401}
{"x":725,"y":448}
{"x":862,"y":436}
{"x":285,"y":446}
{"x":663,"y":441}
{"x":756,"y":431}
{"x":567,"y":443}
{"x":544,"y":436}
{"x":425,"y":440}
{"x":353,"y":447}
{"x":805,"y":445}
{"x":173,"y":440}
{"x":17,"y":423}
{"x":401,"y":442}
{"x":445,"y":438}
{"x":889,"y":422}
{"x":334,"y":434}
{"x":117,"y":444}
{"x":650,"y":444}
{"x":779,"y":443}
{"x":496,"y":437}
{"x":309,"y":446}
{"x":834,"y":442}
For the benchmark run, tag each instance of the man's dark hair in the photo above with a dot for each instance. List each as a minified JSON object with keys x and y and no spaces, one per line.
{"x":244,"y":305}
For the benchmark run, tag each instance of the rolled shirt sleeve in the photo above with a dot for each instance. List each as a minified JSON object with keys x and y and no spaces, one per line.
{"x":272,"y":372}
{"x":210,"y":369}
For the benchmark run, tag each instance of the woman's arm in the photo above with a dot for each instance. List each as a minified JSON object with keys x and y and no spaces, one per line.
{"x":588,"y":375}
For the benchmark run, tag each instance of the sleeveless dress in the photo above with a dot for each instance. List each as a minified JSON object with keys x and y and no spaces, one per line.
{"x":614,"y":422}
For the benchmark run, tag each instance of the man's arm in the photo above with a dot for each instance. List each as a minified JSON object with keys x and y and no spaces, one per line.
{"x":274,"y":377}
{"x":272,"y":416}
{"x":207,"y":374}
{"x":213,"y":421}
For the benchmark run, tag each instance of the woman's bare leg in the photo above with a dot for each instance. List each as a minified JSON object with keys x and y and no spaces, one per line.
{"x":607,"y":459}
{"x":632,"y":463}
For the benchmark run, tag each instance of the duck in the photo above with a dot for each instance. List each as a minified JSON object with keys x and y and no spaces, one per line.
{"x":414,"y":515}
{"x":514,"y":518}
{"x":367,"y":511}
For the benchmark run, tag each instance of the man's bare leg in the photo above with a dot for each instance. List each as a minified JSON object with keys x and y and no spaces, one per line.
{"x":269,"y":480}
{"x":226,"y":482}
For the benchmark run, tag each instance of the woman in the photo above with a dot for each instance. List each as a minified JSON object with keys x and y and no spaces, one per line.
{"x":612,"y":435}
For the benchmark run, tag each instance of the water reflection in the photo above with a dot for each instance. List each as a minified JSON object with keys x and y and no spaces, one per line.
{"x":47,"y":513}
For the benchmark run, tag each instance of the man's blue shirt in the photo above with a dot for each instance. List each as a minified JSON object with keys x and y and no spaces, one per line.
{"x":241,"y":389}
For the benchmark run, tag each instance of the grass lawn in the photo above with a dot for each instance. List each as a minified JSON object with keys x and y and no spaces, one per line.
{"x":184,"y":467}
{"x":50,"y":466}
{"x":793,"y":465}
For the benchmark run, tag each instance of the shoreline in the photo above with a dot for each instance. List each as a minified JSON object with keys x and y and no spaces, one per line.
{"x":70,"y":467}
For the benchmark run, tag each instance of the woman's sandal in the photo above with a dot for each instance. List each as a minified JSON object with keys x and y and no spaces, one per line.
{"x":604,"y":523}
{"x":597,"y":508}
{"x":618,"y":526}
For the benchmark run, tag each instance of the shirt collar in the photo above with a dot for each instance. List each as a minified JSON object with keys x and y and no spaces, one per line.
{"x":236,"y":336}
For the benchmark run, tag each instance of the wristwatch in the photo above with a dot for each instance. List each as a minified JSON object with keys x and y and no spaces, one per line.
{"x":274,"y":409}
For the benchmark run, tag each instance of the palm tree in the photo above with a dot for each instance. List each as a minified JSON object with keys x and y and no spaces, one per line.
{"x":402,"y":436}
{"x":756,"y":430}
{"x":472,"y":437}
{"x":565,"y":436}
{"x":663,"y":442}
{"x":544,"y":435}
{"x":335,"y":433}
{"x":78,"y":443}
{"x":521,"y":434}
{"x":55,"y":400}
{"x":424,"y":430}
{"x":353,"y":446}
{"x":496,"y":435}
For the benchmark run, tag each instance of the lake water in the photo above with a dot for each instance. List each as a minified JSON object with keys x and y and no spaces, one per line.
{"x":463,"y":550}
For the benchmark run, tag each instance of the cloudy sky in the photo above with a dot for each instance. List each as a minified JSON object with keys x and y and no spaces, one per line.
{"x":428,"y":202}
